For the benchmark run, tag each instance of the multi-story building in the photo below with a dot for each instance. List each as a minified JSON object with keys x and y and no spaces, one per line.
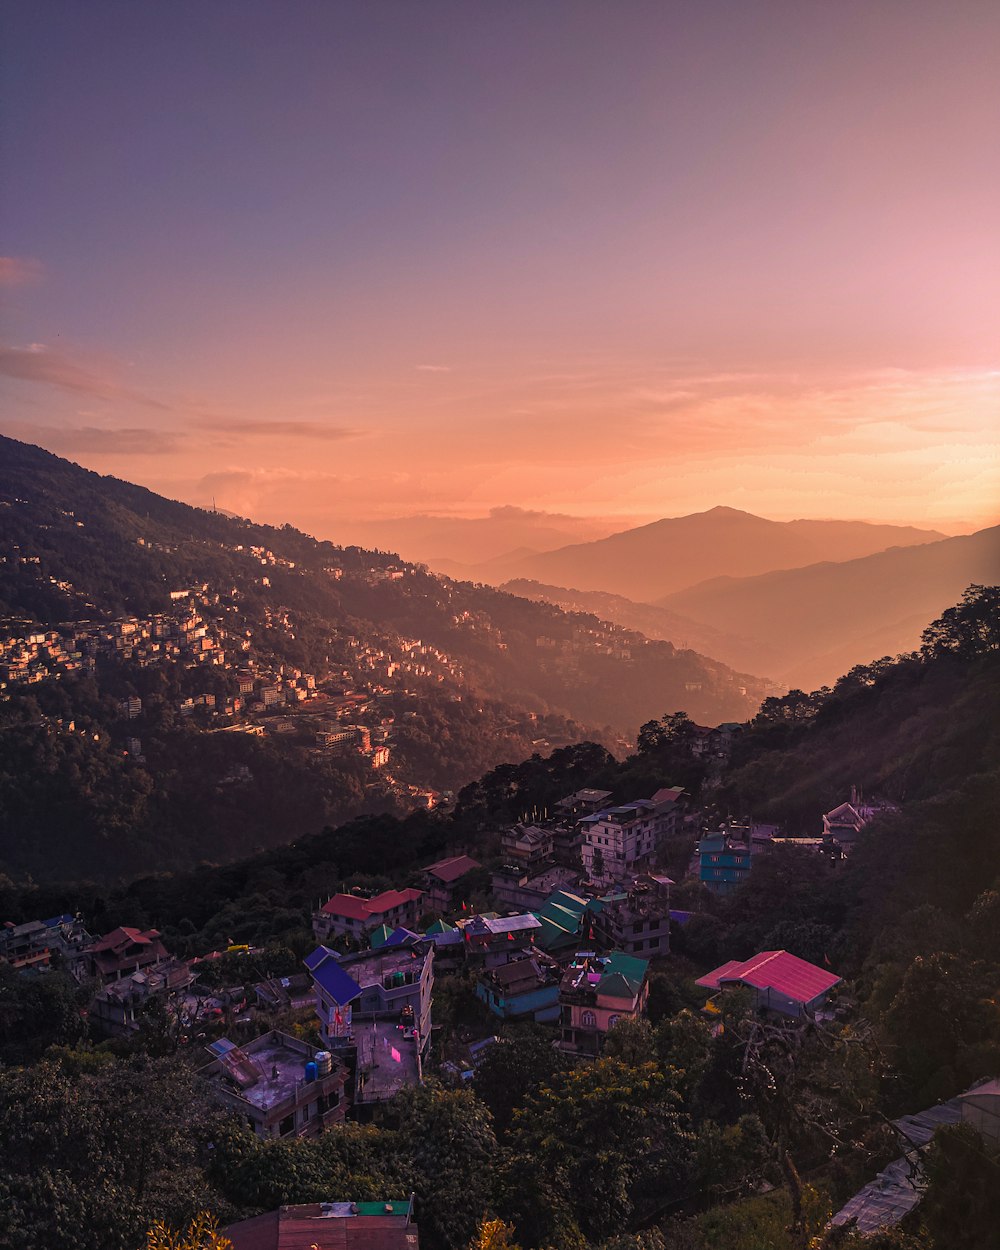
{"x":525,"y":988}
{"x":350,"y":915}
{"x":34,"y":943}
{"x":636,"y":921}
{"x":724,"y":862}
{"x":282,"y":1086}
{"x":595,"y":993}
{"x":116,"y":1009}
{"x":618,"y":841}
{"x":446,"y":883}
{"x":528,"y":846}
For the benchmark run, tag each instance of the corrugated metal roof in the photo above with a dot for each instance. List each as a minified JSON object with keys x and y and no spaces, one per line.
{"x":779,"y":971}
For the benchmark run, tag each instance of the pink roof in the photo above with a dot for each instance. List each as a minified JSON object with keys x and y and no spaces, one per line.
{"x":786,"y":974}
{"x":122,"y":936}
{"x":449,"y":870}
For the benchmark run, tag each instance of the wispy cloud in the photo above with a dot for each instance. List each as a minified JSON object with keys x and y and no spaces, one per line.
{"x":119,"y":440}
{"x":434,"y":368}
{"x":20,"y":271}
{"x":248,"y":428}
{"x":39,"y":363}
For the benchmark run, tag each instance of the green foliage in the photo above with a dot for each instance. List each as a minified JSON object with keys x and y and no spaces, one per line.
{"x":961,"y":1210}
{"x":513,"y":1069}
{"x":605,"y":1140}
{"x":92,"y":1158}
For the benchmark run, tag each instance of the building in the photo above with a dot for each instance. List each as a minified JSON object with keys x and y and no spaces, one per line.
{"x":283,"y":1087}
{"x":517,"y":887}
{"x":636,"y":921}
{"x":496,"y":939}
{"x":595,"y":993}
{"x":618,"y":841}
{"x":779,"y":982}
{"x":352,"y":916}
{"x":524,"y":988}
{"x":445,"y":882}
{"x":843,"y":825}
{"x":528,"y":846}
{"x":116,"y":1009}
{"x":122,"y":952}
{"x":34,"y":943}
{"x":378,"y":1225}
{"x":723,"y":861}
{"x":582,"y":803}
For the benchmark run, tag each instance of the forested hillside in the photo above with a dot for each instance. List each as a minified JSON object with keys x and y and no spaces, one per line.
{"x":112,"y":594}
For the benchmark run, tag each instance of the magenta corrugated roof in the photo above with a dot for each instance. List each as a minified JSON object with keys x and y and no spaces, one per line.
{"x":779,"y":971}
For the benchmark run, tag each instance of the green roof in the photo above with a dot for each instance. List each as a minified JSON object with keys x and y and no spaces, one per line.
{"x":632,"y":969}
{"x":440,"y":926}
{"x":379,"y":936}
{"x":616,"y":985}
{"x":379,"y":1208}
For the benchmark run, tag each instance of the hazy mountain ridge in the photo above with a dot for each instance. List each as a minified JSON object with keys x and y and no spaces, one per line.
{"x":655,"y":622}
{"x":651,"y":561}
{"x":827,"y":616}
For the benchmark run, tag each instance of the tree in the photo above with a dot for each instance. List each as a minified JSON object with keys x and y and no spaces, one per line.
{"x":961,"y":1210}
{"x":970,"y":628}
{"x":92,"y":1157}
{"x":445,"y":1141}
{"x":609,"y":1139}
{"x":516,"y":1066}
{"x":201,"y":1234}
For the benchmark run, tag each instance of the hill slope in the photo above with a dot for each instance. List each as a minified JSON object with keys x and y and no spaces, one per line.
{"x":213,"y":624}
{"x":654,"y":560}
{"x":826,"y":617}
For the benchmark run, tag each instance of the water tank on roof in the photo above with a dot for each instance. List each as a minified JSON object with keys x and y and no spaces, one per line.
{"x":311,"y":1071}
{"x":324,"y":1062}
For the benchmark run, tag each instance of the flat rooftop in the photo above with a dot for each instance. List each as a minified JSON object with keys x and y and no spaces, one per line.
{"x":381,"y":962}
{"x":271,"y":1072}
{"x":387,"y":1060}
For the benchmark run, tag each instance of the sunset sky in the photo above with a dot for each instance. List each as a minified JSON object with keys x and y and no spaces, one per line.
{"x":322,"y":260}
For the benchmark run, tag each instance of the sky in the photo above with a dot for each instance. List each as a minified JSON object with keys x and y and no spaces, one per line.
{"x":321,"y":261}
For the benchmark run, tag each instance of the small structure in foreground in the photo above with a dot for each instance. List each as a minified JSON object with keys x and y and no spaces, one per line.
{"x":330,"y":1226}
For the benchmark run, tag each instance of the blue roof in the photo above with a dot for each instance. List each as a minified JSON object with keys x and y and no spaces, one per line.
{"x":65,"y":918}
{"x":335,"y":983}
{"x":400,"y":937}
{"x":313,"y":960}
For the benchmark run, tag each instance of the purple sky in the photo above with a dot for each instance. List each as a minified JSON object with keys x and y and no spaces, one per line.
{"x":331,"y":260}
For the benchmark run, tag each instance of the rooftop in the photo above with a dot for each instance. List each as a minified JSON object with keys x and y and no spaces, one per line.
{"x":388,"y":1060}
{"x":780,"y":971}
{"x":448,"y":870}
{"x":267,"y":1071}
{"x":328,"y":1226}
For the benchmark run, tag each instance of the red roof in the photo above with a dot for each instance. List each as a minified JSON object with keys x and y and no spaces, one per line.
{"x":122,"y":936}
{"x":779,"y":971}
{"x":355,"y":908}
{"x":448,"y":870}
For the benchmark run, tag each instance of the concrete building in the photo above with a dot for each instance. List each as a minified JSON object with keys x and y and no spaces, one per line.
{"x":724,"y":861}
{"x":525,"y":988}
{"x":353,"y":916}
{"x":618,"y":841}
{"x":378,"y":1225}
{"x":636,"y":921}
{"x":282,"y":1086}
{"x":595,"y":993}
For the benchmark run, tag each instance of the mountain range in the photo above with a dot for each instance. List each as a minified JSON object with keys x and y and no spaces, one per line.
{"x":651,"y":561}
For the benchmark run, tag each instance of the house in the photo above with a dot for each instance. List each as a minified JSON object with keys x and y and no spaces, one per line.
{"x":582,"y":803}
{"x":378,"y":1225}
{"x":122,"y":952}
{"x":352,"y":916}
{"x":518,"y":887}
{"x":636,"y":921}
{"x":529,"y":846}
{"x":567,"y":920}
{"x":524,"y":988}
{"x":496,"y":939}
{"x":116,"y":1009}
{"x":724,"y":861}
{"x":595,"y":993}
{"x":445,"y":882}
{"x":617,"y":841}
{"x":981,"y":1109}
{"x":779,"y":982}
{"x":394,"y":982}
{"x":843,"y":825}
{"x":282,"y":1086}
{"x":33,"y":944}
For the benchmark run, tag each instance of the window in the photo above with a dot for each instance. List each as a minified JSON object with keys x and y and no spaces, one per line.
{"x":588,"y":1020}
{"x":612,"y":1021}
